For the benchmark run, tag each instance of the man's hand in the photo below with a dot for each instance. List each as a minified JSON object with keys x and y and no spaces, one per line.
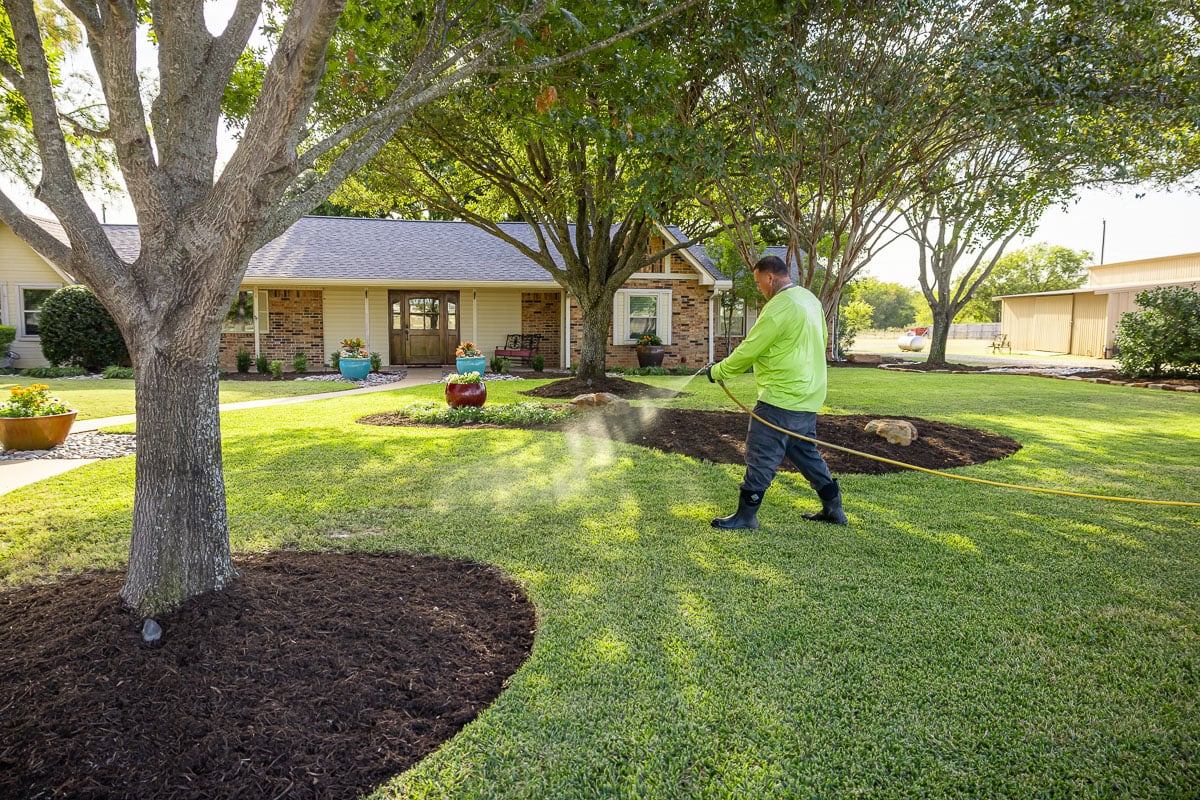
{"x":706,"y":371}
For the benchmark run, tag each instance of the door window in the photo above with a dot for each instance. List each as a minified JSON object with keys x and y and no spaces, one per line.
{"x":424,"y":314}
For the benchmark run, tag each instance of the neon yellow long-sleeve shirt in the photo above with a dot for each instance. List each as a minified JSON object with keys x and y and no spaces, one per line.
{"x":786,"y":347}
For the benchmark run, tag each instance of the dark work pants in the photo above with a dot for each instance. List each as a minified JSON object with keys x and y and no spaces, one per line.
{"x":766,"y":447}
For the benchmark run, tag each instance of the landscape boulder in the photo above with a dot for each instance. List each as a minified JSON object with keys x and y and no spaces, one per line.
{"x":605,"y":401}
{"x":896,"y":431}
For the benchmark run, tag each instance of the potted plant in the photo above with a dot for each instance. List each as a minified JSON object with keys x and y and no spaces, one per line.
{"x":354,"y":362}
{"x":469,"y":358}
{"x":649,"y":350}
{"x":32,"y":420}
{"x":465,"y":389}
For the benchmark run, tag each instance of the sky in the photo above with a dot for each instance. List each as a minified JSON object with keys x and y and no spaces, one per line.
{"x":1131,"y":223}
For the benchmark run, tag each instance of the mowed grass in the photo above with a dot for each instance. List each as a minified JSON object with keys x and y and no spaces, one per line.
{"x":955,"y":640}
{"x":95,"y":399}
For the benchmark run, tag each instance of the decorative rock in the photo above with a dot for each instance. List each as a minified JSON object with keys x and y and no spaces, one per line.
{"x":80,"y":445}
{"x":896,"y":431}
{"x":1188,"y":388}
{"x":151,"y":631}
{"x":600,"y":400}
{"x":1157,"y":386}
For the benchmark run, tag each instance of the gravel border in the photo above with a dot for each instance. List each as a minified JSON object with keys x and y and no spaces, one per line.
{"x":90,"y":444}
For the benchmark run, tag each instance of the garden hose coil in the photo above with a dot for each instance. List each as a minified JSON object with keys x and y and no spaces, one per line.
{"x":951,"y":475}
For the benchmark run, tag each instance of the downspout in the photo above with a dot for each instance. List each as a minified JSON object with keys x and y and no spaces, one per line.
{"x":566,"y":327}
{"x":475,"y":318}
{"x":257,"y":340}
{"x":712,"y":305}
{"x":367,"y":316}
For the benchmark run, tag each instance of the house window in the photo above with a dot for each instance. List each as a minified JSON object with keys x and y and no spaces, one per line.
{"x":32,"y":299}
{"x":638,"y":311}
{"x":240,"y":318}
{"x":731,"y":318}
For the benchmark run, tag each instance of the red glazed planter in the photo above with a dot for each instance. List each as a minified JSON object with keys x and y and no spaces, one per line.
{"x":465,"y":394}
{"x":35,"y":433}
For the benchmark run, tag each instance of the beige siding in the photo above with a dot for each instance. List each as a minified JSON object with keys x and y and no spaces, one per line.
{"x":1089,"y":331}
{"x":1169,"y":269}
{"x":344,"y":318}
{"x":1038,"y":323}
{"x":495,"y":314}
{"x":21,"y":267}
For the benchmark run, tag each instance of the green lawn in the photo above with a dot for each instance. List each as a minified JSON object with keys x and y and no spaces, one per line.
{"x":955,"y":640}
{"x":94,"y":399}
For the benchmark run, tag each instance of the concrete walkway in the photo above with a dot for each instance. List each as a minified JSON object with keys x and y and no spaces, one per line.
{"x":15,"y":474}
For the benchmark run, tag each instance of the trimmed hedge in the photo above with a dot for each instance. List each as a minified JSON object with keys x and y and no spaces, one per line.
{"x":77,"y":329}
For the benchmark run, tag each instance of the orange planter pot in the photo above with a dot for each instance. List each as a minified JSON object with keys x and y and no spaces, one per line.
{"x":465,"y":394}
{"x":35,"y":433}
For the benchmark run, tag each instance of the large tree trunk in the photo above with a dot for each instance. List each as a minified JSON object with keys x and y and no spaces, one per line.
{"x":180,"y":542}
{"x":938,"y":336}
{"x":593,"y":352}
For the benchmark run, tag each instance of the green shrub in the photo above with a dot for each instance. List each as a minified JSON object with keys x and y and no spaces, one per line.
{"x":243,"y":360}
{"x":1164,"y":337}
{"x":276,"y":368}
{"x":8,"y":335}
{"x":113,"y":372}
{"x":262,"y":365}
{"x":53,"y":372}
{"x":376,"y":362}
{"x":76,"y":329}
{"x":300,"y":362}
{"x":538,"y":362}
{"x":431,"y":412}
{"x":335,"y":359}
{"x":499,"y":365}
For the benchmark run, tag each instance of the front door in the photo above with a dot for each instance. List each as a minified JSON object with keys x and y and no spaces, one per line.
{"x":424,"y":328}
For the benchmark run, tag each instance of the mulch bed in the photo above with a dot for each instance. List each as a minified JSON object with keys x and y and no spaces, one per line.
{"x":630,"y":390}
{"x":313,"y":675}
{"x":719,"y":436}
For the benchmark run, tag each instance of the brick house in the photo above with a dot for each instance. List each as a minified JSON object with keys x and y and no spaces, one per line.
{"x":413,"y":290}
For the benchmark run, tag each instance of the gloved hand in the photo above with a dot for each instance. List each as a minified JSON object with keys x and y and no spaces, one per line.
{"x":706,"y":371}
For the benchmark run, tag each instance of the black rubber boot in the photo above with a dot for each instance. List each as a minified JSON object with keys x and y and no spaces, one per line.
{"x":746,"y":515}
{"x":831,"y":506}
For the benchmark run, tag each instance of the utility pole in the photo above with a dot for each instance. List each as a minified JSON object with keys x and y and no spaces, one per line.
{"x":1103,"y":233}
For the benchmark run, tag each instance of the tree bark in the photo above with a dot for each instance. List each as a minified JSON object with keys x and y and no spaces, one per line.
{"x":593,"y":351}
{"x":179,"y":547}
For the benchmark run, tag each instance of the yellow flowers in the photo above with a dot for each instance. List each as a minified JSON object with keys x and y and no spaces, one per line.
{"x":468,"y":350}
{"x":32,"y":401}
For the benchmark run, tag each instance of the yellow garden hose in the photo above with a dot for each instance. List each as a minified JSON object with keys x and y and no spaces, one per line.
{"x":951,"y":475}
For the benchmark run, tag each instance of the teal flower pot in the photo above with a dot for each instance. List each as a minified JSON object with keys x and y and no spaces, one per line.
{"x":354,"y":369}
{"x":465,"y":365}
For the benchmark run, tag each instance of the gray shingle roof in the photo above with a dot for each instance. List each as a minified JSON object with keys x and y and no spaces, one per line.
{"x":358,"y":249}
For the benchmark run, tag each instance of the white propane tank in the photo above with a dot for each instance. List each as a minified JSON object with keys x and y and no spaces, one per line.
{"x":911,"y":342}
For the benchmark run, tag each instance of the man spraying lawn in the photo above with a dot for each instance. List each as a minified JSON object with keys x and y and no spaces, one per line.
{"x":786,"y":347}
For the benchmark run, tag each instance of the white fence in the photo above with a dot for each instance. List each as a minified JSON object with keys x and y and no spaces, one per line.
{"x":975,"y":330}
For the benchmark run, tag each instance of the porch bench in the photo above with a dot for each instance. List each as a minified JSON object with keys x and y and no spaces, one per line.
{"x":519,"y":347}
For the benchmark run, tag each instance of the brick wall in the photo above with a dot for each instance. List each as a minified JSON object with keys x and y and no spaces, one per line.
{"x":541,"y":313}
{"x":689,"y":326}
{"x":294,"y":323}
{"x":230,"y":343}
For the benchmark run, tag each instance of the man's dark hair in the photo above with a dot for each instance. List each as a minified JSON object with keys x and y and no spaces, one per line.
{"x":771,"y":264}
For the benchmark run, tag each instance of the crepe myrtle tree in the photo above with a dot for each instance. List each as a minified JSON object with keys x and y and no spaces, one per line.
{"x":198,"y":224}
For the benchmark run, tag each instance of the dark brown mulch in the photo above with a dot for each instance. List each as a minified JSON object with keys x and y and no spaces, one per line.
{"x":630,"y":390}
{"x":314,"y":675}
{"x":719,"y":436}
